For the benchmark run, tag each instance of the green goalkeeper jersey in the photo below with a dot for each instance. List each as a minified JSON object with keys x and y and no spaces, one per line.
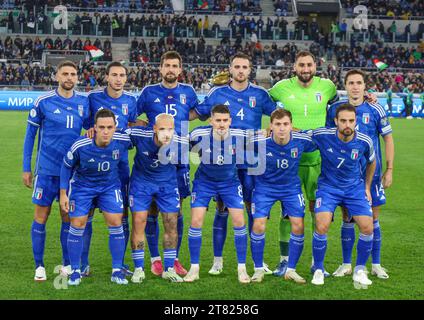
{"x":307,"y":105}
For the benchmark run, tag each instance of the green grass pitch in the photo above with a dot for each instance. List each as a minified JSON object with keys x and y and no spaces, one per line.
{"x":402,"y":222}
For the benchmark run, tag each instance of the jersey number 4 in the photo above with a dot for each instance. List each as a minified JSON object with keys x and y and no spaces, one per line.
{"x":240,"y":114}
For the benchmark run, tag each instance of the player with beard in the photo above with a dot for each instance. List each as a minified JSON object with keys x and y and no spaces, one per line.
{"x":247,"y":103}
{"x":177,"y":99}
{"x":59,"y":115}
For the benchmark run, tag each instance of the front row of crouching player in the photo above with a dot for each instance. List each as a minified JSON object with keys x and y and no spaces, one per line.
{"x":274,"y":160}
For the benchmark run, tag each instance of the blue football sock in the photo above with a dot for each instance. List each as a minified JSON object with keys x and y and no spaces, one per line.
{"x":249,"y":219}
{"x":180,"y":230}
{"x":126,"y":226}
{"x":64,"y":230}
{"x":219,"y":232}
{"x":152,"y":235}
{"x":194,"y":244}
{"x":257,"y":245}
{"x":319,"y":247}
{"x":296,"y":244}
{"x":86,"y":241}
{"x":116,"y":246}
{"x":38,"y":237}
{"x":376,"y":243}
{"x":240,"y":241}
{"x":75,"y":239}
{"x":138,"y":258}
{"x":348,"y":240}
{"x":363,"y":250}
{"x":169,"y":256}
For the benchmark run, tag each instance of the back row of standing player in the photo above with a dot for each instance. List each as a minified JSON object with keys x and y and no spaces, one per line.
{"x":305,"y":95}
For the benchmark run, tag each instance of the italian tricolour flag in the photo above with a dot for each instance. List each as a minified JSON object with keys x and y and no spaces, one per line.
{"x":380,"y":65}
{"x":94,"y":51}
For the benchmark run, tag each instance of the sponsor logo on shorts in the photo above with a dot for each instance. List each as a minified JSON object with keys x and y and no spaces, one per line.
{"x":131,"y":201}
{"x":193,"y":197}
{"x":253,"y":208}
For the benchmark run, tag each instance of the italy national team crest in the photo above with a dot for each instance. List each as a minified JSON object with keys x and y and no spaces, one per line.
{"x":115,"y":154}
{"x":183,"y":98}
{"x":71,"y":206}
{"x":80,"y":110}
{"x":318,"y":96}
{"x":294,"y":152}
{"x":366,"y":118}
{"x":38,"y":193}
{"x":125,"y":109}
{"x":252,"y":102}
{"x":355,"y":153}
{"x":318,"y":203}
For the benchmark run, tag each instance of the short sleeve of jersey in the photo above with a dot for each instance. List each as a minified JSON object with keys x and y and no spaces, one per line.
{"x":124,"y":139}
{"x":369,"y":152}
{"x":203,"y":109}
{"x":383,"y":123}
{"x":35,"y":116}
{"x":71,"y":157}
{"x":133,"y":112}
{"x":194,"y":103}
{"x":329,"y":119}
{"x":268,"y":104}
{"x":334,"y":96}
{"x":309,"y":145}
{"x":141,"y":103}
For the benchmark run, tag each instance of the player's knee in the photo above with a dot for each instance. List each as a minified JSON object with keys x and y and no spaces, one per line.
{"x":258,"y":226}
{"x":367,"y":229}
{"x":79,"y":223}
{"x":139,"y":221}
{"x":321,"y":227}
{"x":297,"y":227}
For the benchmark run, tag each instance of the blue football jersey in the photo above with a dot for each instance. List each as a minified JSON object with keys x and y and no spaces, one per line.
{"x":95,"y":166}
{"x":156,"y":99}
{"x":60,"y":121}
{"x":246,"y":106}
{"x":154,"y":163}
{"x":124,"y":107}
{"x":341,"y":165}
{"x":218,"y":158}
{"x":371,"y":120}
{"x":281,"y":161}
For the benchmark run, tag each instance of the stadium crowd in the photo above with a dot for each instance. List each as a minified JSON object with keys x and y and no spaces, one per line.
{"x":29,"y":49}
{"x":402,"y":8}
{"x":247,"y":6}
{"x":92,"y":76}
